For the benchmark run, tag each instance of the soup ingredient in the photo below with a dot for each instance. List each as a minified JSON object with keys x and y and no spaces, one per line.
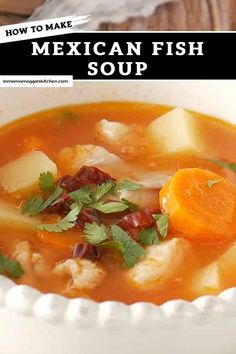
{"x":144,"y":198}
{"x":111,"y":131}
{"x":207,"y":280}
{"x":149,"y":180}
{"x":67,"y":223}
{"x":70,"y":159}
{"x":149,"y":236}
{"x":160,"y":264}
{"x":177,"y":132}
{"x":229,"y":166}
{"x":94,"y":233}
{"x":32,"y":262}
{"x":21,"y":175}
{"x":67,"y":115}
{"x":35,"y":205}
{"x":85,"y":176}
{"x":162,"y":221}
{"x":196,"y":210}
{"x":84,"y":274}
{"x":46,"y":182}
{"x":10,"y":267}
{"x":210,"y":279}
{"x":10,"y":216}
{"x":128,"y":186}
{"x":212,"y":182}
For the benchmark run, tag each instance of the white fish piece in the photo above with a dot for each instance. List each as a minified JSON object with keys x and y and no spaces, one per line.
{"x":30,"y":261}
{"x":111,"y":131}
{"x":84,"y":274}
{"x":150,"y":180}
{"x":160,"y":264}
{"x":144,"y":198}
{"x":73,"y":158}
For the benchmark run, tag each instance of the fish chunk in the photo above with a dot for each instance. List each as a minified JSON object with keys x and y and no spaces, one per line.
{"x":160,"y":264}
{"x":73,"y":158}
{"x":30,"y":261}
{"x":85,"y":274}
{"x":111,"y":131}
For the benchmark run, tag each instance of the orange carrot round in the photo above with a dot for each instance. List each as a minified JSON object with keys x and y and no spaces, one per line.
{"x":200,"y":204}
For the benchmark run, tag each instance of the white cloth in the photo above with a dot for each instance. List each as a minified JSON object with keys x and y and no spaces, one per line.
{"x":100,"y":10}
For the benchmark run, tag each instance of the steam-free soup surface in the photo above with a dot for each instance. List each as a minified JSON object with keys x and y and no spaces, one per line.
{"x":43,"y":254}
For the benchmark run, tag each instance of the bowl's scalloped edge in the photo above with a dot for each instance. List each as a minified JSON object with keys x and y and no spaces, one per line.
{"x":87,"y":313}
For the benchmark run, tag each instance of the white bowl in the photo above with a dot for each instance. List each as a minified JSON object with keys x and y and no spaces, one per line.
{"x":33,"y":323}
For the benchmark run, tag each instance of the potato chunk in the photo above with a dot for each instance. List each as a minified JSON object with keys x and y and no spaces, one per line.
{"x":160,"y":264}
{"x":111,"y":131}
{"x":176,"y":132}
{"x":21,"y":176}
{"x":208,"y":280}
{"x":11,"y":217}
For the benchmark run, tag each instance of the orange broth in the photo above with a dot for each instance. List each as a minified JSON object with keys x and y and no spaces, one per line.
{"x":46,"y":131}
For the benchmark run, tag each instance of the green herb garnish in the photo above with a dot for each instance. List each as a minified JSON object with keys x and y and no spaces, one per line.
{"x":133,"y":207}
{"x":67,"y":223}
{"x":212,"y":182}
{"x":131,"y":250}
{"x":11,"y":267}
{"x":128,"y":186}
{"x":149,"y":236}
{"x":46,"y":182}
{"x":230,"y":166}
{"x":162,"y":221}
{"x":82,"y":195}
{"x":94,"y":233}
{"x":109,"y":207}
{"x":102,"y":189}
{"x":66,"y":115}
{"x":35,"y":205}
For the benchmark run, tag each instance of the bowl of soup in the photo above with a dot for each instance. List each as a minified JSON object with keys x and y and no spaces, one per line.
{"x":118,"y":218}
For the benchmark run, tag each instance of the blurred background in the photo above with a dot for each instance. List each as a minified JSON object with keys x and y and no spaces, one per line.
{"x":172,"y":15}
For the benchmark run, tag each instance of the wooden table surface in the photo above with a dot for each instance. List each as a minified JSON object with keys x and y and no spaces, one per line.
{"x":183,"y":15}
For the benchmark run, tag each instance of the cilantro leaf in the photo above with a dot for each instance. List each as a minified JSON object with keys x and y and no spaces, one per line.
{"x":132,"y":251}
{"x":35,"y":205}
{"x":102,"y":190}
{"x":230,"y":166}
{"x":149,"y":236}
{"x":11,"y":267}
{"x":82,"y":195}
{"x":128,"y":186}
{"x":66,"y":115}
{"x":94,"y":233}
{"x":162,"y":221}
{"x":46,"y":182}
{"x":68,"y":222}
{"x":110,"y":207}
{"x":212,"y":182}
{"x":133,"y":207}
{"x":114,"y":245}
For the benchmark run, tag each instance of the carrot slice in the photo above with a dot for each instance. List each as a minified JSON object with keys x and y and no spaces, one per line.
{"x":201,"y":204}
{"x":64,"y":241}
